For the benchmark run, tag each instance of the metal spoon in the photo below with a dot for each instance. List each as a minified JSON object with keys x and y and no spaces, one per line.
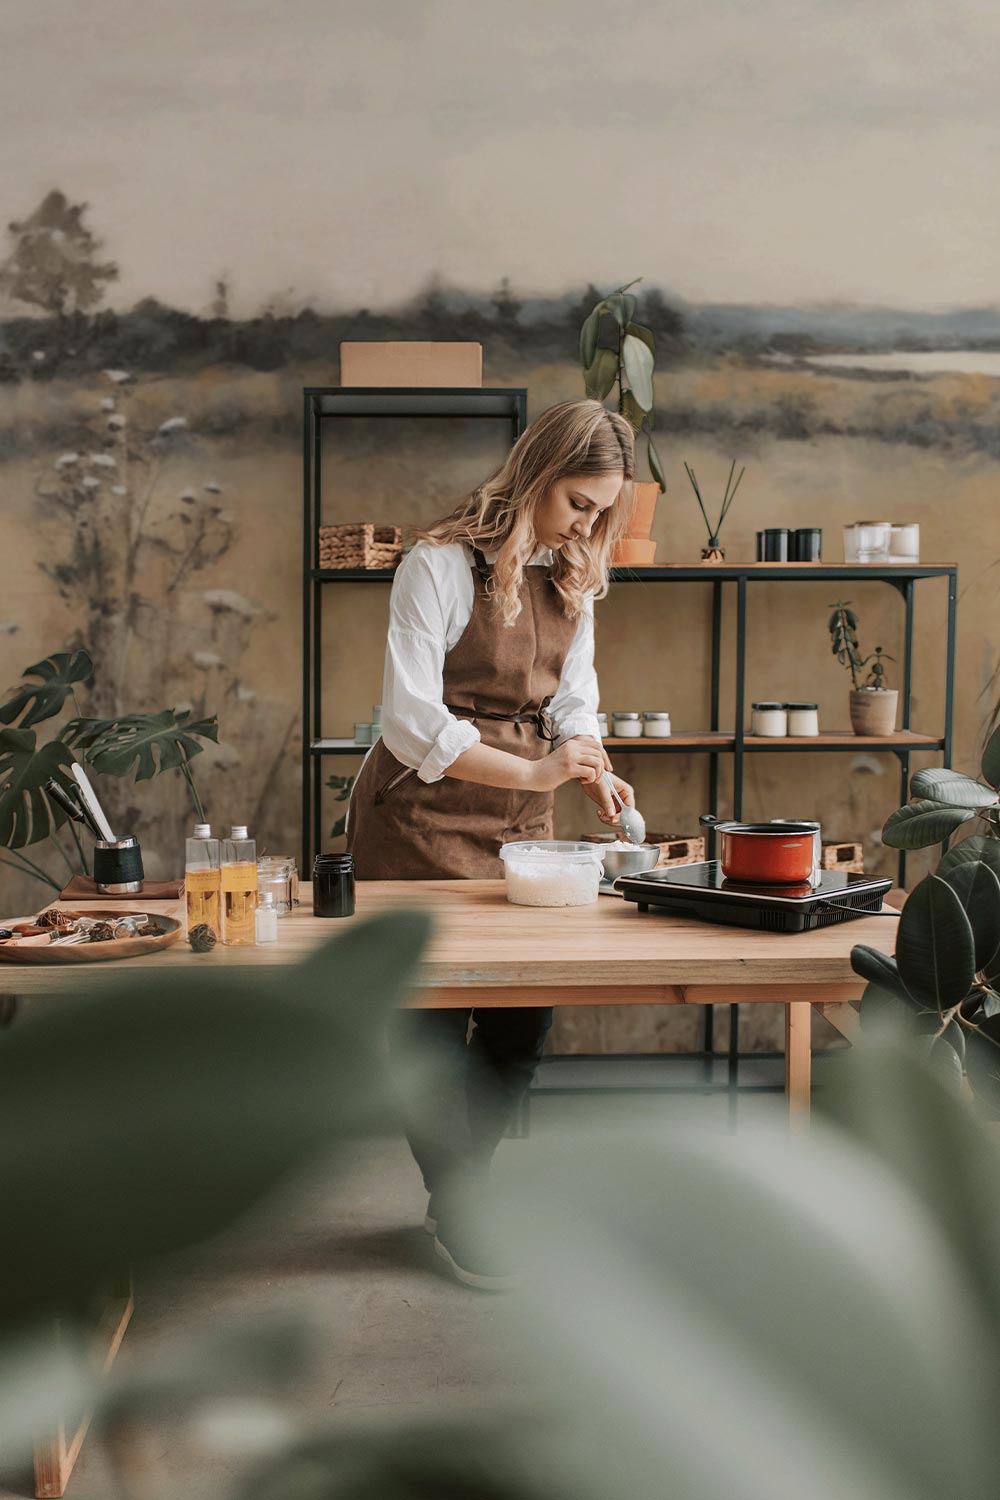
{"x":633,"y":823}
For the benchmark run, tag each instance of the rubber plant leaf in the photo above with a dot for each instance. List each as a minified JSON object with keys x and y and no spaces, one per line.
{"x":589,"y":334}
{"x":919,"y":824}
{"x":940,"y":785}
{"x":602,"y":374}
{"x":934,"y":946}
{"x":978,"y":889}
{"x":26,"y":814}
{"x":149,"y":743}
{"x":991,"y":759}
{"x":655,"y":467}
{"x":45,"y":698}
{"x":982,"y":1064}
{"x":638,"y":361}
{"x":976,"y":849}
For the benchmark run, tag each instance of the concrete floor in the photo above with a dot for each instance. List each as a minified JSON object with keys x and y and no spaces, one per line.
{"x":395,"y":1330}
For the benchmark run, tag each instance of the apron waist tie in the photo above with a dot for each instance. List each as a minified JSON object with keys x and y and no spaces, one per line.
{"x":544,"y":727}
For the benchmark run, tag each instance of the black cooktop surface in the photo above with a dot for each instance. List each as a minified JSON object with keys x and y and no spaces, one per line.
{"x":703,"y":891}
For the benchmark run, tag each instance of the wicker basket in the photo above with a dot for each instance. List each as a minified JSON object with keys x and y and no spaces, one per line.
{"x":360,"y":544}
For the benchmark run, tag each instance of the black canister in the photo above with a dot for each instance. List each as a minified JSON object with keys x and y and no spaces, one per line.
{"x":807,"y":544}
{"x":760,"y":546}
{"x":776,"y":544}
{"x":333,"y":885}
{"x":118,"y":867}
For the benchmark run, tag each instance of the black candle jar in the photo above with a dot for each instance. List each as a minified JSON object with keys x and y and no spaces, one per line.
{"x":333,"y":885}
{"x":807,"y":544}
{"x":776,"y":544}
{"x":118,"y":867}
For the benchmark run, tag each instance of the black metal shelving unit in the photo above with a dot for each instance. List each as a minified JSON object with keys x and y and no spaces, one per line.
{"x":322,"y":404}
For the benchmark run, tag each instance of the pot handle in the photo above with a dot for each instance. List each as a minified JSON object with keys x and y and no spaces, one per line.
{"x":709,"y":820}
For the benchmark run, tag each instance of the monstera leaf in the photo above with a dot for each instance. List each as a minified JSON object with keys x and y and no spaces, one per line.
{"x":45,"y":699}
{"x":26,"y":814}
{"x":149,"y":742}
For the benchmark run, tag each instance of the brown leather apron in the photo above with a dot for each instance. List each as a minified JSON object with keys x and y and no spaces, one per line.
{"x":502,"y":677}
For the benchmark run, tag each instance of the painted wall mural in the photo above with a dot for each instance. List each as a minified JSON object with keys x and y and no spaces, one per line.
{"x":189,"y":243}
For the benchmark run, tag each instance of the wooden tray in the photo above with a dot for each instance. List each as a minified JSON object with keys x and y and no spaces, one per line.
{"x":13,"y":952}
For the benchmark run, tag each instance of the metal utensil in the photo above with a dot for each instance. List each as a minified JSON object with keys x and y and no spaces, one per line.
{"x":73,"y":809}
{"x":632,"y":821}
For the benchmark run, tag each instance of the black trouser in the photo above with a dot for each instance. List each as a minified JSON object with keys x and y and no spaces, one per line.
{"x":478,"y":1084}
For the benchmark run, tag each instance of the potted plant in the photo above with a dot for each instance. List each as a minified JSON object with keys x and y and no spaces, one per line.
{"x":944,"y":979}
{"x":873,"y":705}
{"x":626,"y":361}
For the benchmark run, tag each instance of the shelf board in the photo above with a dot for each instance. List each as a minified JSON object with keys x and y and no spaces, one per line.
{"x":416,"y":401}
{"x":717,"y":741}
{"x":709,"y":573}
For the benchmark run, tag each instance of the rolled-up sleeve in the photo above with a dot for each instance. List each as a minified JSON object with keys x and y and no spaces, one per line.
{"x":416,"y":726}
{"x":574,"y":705}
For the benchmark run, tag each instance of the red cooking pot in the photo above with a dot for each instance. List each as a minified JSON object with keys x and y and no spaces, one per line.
{"x":767,"y":853}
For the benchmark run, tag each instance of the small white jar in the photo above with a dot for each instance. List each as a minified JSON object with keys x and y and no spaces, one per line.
{"x":803,"y":720}
{"x":362,"y":734}
{"x":656,"y":726}
{"x":602,"y":724}
{"x":769,"y":721}
{"x":904,"y":542}
{"x":627,"y":725}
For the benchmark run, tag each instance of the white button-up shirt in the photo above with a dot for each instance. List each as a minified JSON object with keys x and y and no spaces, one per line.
{"x":433,"y":595}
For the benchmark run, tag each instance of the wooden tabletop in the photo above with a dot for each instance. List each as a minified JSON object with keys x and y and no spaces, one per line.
{"x":603,"y":953}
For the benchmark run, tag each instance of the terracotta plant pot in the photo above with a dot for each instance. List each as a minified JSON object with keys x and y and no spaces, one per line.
{"x":633,"y":552}
{"x":873,"y":711}
{"x":646,"y":495}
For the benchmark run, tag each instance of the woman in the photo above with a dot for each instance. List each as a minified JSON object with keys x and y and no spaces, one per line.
{"x":489,"y":703}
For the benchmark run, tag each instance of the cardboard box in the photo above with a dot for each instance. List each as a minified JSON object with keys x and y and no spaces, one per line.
{"x":411,"y":362}
{"x":843,"y":856}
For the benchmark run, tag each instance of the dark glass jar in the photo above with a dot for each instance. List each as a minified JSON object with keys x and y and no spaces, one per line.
{"x":776,"y":540}
{"x":333,"y":885}
{"x":807,"y":544}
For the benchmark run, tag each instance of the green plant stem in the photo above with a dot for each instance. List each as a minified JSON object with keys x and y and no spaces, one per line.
{"x":62,"y":851}
{"x":30,"y":864}
{"x":35,"y":874}
{"x":186,"y":770}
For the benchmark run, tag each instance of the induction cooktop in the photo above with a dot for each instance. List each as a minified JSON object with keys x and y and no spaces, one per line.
{"x":703,"y":891}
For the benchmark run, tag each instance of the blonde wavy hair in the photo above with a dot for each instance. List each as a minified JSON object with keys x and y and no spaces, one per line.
{"x":571,"y":439}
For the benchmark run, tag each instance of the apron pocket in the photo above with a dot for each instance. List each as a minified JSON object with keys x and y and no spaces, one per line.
{"x":385,"y":791}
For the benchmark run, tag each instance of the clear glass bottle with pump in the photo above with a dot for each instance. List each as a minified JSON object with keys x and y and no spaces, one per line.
{"x":201,"y":878}
{"x":267,"y":919}
{"x":239,"y":889}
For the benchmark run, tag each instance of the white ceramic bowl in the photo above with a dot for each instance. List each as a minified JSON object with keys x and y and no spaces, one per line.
{"x":551,"y":872}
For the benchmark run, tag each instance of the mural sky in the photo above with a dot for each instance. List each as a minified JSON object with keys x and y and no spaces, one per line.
{"x":768,"y":152}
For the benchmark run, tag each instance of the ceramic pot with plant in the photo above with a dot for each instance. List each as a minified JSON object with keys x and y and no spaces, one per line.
{"x":873,"y":705}
{"x":626,"y":357}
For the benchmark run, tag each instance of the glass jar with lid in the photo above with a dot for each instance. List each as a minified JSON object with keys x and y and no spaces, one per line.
{"x":769,"y":720}
{"x":626,"y":724}
{"x":803,"y":719}
{"x":656,"y":726}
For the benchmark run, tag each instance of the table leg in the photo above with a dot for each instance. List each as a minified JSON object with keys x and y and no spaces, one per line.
{"x":798,"y":1057}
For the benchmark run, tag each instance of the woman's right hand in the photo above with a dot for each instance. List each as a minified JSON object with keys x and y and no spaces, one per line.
{"x":579,"y":759}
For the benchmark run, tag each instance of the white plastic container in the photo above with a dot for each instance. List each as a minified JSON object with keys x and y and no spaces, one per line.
{"x":551,"y":872}
{"x":656,"y":726}
{"x":267,"y":920}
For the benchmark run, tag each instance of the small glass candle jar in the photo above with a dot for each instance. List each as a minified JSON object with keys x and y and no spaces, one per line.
{"x":803,"y":719}
{"x":627,"y":725}
{"x":333,"y":885}
{"x":769,"y":720}
{"x":362,"y":734}
{"x":656,"y":726}
{"x":873,"y":541}
{"x":904,"y":542}
{"x":602,"y":724}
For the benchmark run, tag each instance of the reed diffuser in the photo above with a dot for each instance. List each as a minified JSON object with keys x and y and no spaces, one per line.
{"x":714,"y":552}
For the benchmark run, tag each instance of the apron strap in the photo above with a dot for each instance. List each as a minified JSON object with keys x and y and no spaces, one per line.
{"x":539,"y":716}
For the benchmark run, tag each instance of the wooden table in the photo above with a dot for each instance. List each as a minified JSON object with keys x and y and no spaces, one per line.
{"x":484,"y":951}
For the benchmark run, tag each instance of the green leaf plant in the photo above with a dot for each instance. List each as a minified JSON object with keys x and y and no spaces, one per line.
{"x":627,"y":361}
{"x":843,"y":627}
{"x":944,"y":980}
{"x":140,"y":745}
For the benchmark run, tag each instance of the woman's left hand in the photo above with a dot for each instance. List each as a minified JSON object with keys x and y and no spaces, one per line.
{"x":598,"y":792}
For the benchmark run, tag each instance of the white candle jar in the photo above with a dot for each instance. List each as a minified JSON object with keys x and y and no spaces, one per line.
{"x":602,"y":724}
{"x":904,"y":543}
{"x":873,"y":541}
{"x":769,"y":721}
{"x":627,"y":726}
{"x":656,"y":726}
{"x":803,"y":720}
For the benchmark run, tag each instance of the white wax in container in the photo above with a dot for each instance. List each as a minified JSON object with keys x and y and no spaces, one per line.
{"x":544,"y":877}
